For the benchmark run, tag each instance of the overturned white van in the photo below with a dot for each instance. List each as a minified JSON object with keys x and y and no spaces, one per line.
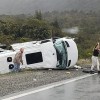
{"x":58,"y":53}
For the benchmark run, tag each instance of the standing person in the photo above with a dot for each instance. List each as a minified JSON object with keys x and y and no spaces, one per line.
{"x":95,"y":60}
{"x":18,"y":59}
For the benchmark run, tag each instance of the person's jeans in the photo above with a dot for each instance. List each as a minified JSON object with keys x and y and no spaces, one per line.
{"x":95,"y":62}
{"x":16,"y":67}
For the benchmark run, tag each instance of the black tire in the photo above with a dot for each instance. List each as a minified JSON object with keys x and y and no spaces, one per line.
{"x":11,"y":66}
{"x":9,"y":59}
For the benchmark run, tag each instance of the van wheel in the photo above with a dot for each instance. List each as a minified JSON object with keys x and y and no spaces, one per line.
{"x":11,"y":66}
{"x":9,"y":59}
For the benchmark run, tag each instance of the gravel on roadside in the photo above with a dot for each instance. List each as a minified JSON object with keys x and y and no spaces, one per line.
{"x":27,"y":79}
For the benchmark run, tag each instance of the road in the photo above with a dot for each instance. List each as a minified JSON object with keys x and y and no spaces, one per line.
{"x":82,"y":88}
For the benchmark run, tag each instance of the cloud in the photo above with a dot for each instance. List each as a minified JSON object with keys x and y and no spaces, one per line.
{"x":73,"y":30}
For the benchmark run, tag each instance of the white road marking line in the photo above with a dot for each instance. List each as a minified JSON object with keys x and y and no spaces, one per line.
{"x":48,"y":87}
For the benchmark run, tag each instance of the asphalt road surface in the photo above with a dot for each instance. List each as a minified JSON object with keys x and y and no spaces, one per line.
{"x":82,"y":88}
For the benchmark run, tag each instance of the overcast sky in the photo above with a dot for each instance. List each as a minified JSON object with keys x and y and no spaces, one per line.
{"x":29,"y":6}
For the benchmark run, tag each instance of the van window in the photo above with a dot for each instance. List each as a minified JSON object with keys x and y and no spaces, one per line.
{"x":34,"y":58}
{"x":69,"y":62}
{"x":45,"y":41}
{"x":67,"y":44}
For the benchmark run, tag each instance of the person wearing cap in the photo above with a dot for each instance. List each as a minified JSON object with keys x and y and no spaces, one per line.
{"x":95,"y":60}
{"x":17,"y":60}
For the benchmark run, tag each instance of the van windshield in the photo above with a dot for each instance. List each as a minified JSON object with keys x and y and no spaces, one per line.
{"x":61,"y":50}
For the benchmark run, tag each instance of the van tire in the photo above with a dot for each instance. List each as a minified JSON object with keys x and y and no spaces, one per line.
{"x":11,"y":66}
{"x":9,"y":59}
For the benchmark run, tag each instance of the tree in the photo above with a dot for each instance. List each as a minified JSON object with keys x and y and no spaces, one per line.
{"x":38,"y":15}
{"x":56,"y":31}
